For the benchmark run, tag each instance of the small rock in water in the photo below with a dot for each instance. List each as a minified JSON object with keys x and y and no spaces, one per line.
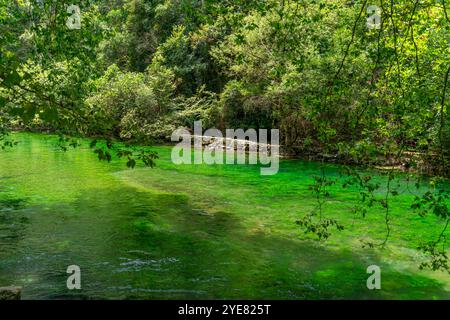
{"x":10,"y":293}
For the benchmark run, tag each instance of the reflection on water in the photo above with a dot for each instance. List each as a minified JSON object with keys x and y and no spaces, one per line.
{"x":143,"y":236}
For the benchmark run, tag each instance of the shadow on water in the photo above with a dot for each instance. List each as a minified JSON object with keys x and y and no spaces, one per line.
{"x":132,"y":244}
{"x":12,"y":220}
{"x":13,"y":225}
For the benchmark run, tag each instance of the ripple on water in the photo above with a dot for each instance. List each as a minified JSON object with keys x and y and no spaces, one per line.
{"x":146,"y":290}
{"x":209,"y":279}
{"x":140,"y":264}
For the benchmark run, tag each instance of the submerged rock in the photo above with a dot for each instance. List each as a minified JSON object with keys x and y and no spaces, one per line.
{"x":10,"y":293}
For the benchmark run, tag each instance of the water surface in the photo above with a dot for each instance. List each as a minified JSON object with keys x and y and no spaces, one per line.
{"x":193,"y":232}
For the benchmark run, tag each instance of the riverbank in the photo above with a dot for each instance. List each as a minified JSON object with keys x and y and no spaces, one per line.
{"x":408,"y":162}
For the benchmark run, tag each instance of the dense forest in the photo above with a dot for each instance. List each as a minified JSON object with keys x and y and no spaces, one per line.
{"x":362,"y":83}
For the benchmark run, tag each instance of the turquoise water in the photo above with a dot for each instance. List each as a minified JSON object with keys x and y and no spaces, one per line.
{"x":193,"y":232}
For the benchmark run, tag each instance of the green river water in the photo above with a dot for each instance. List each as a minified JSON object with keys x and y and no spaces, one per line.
{"x":194,"y":231}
